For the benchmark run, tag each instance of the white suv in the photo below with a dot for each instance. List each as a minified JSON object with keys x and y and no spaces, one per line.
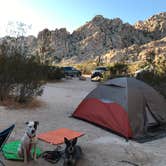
{"x":98,"y":72}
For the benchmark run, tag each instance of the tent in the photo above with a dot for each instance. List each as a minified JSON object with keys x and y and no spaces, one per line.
{"x":126,"y":106}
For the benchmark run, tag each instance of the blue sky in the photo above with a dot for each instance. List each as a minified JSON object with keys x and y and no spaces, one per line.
{"x":74,"y":13}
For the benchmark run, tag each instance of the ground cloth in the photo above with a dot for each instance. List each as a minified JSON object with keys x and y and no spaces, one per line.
{"x":10,"y":151}
{"x":56,"y":137}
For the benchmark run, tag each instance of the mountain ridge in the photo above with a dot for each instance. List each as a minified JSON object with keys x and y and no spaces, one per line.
{"x":96,"y":38}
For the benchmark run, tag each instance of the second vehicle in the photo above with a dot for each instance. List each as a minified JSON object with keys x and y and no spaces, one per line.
{"x":98,"y":72}
{"x":71,"y":71}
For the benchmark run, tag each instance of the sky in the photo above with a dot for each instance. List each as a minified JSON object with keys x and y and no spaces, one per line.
{"x":72,"y":14}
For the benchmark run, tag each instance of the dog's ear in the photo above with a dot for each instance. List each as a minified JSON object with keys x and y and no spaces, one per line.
{"x":74,"y":141}
{"x":36,"y":123}
{"x":26,"y":123}
{"x":66,"y":141}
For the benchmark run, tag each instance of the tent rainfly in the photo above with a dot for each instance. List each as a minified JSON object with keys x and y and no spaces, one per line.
{"x":126,"y":106}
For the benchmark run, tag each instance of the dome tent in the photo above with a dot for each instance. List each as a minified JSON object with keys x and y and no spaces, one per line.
{"x":126,"y":106}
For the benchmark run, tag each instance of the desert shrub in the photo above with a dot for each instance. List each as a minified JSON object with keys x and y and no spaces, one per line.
{"x":28,"y":78}
{"x":118,"y":70}
{"x":54,"y":72}
{"x":6,"y":77}
{"x":154,"y":79}
{"x":106,"y":75}
{"x":86,"y":67}
{"x":156,"y":75}
{"x":20,"y":78}
{"x":160,"y":65}
{"x":135,"y":66}
{"x":155,"y":71}
{"x":148,"y":77}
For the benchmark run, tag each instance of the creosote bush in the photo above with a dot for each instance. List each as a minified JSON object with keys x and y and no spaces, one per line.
{"x":54,"y":72}
{"x":20,"y":78}
{"x":86,"y":67}
{"x":118,"y":70}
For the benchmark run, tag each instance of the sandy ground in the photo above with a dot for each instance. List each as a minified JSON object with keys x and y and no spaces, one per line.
{"x":100,"y":147}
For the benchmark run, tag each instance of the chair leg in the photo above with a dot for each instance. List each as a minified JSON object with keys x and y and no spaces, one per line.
{"x":1,"y":163}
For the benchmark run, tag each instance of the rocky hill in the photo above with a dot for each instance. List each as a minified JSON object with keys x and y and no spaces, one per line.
{"x":155,"y":50}
{"x":154,"y":27}
{"x":110,"y":39}
{"x":93,"y":39}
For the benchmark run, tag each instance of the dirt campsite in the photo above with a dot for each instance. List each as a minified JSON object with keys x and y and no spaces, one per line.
{"x":100,"y":147}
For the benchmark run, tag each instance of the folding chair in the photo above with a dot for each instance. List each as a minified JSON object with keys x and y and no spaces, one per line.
{"x":4,"y":135}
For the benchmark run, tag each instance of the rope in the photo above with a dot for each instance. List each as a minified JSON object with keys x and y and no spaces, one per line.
{"x":52,"y":156}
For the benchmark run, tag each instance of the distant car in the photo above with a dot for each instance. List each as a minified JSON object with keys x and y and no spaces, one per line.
{"x":71,"y":71}
{"x":98,"y":72}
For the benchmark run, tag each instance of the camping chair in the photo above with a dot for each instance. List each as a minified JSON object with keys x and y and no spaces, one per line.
{"x":4,"y":135}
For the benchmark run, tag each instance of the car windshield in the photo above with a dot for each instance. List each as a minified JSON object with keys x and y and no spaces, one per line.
{"x":68,"y":68}
{"x":101,"y":68}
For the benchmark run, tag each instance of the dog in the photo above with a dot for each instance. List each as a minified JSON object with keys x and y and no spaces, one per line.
{"x":28,"y":141}
{"x":72,"y":152}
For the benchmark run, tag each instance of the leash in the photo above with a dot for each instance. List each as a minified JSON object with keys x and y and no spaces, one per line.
{"x":30,"y":137}
{"x":28,"y":151}
{"x":52,"y":156}
{"x":129,"y":162}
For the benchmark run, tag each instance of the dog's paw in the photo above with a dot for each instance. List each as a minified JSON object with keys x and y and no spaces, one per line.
{"x":34,"y":158}
{"x":25,"y":162}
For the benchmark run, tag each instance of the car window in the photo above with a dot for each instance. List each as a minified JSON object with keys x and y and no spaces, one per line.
{"x":67,"y":68}
{"x":101,"y":68}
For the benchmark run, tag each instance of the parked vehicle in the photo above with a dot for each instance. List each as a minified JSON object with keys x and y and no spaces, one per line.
{"x":98,"y":72}
{"x":71,"y":71}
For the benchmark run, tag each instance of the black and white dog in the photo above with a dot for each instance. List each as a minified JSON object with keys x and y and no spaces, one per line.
{"x":73,"y":152}
{"x":28,"y":141}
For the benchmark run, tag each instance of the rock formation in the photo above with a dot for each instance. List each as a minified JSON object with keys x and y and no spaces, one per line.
{"x":154,"y":27}
{"x":109,"y":39}
{"x":154,"y":49}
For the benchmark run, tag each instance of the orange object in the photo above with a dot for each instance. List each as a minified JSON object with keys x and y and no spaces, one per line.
{"x":57,"y":136}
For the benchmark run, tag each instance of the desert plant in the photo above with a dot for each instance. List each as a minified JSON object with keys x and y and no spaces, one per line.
{"x":28,"y":78}
{"x":54,"y":72}
{"x":6,"y":77}
{"x":20,"y":78}
{"x":106,"y":76}
{"x":86,"y":67}
{"x":118,"y":69}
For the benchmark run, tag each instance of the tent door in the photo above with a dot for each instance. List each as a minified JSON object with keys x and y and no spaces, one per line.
{"x":151,"y":122}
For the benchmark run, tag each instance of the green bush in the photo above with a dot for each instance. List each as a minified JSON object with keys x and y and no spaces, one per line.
{"x":7,"y":82}
{"x":20,"y":78}
{"x":155,"y":75}
{"x":53,"y":72}
{"x":86,"y":67}
{"x":118,"y":70}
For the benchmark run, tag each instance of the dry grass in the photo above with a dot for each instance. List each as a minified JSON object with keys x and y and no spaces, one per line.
{"x":33,"y":104}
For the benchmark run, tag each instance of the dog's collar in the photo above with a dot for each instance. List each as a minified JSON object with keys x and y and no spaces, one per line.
{"x":31,"y":136}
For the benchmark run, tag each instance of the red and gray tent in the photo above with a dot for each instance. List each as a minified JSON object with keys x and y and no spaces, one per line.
{"x":126,"y":106}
